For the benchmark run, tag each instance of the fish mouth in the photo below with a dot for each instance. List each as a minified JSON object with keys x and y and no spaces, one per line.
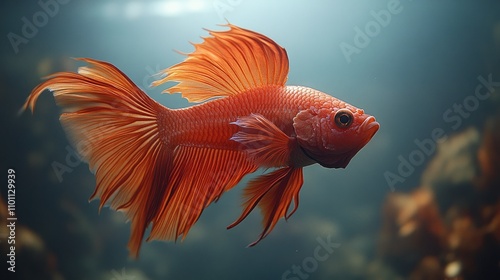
{"x":369,"y":125}
{"x":368,"y":129}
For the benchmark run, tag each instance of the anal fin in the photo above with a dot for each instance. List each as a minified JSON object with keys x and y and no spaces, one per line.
{"x":199,"y":176}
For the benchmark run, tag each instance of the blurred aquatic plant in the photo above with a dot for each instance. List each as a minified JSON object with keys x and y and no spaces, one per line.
{"x":460,"y":184}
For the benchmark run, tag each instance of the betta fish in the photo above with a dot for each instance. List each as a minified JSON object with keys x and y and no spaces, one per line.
{"x":162,"y":167}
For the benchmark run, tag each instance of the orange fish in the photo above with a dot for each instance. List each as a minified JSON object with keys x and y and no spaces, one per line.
{"x":162,"y":167}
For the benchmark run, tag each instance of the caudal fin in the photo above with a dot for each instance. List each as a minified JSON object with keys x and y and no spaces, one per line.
{"x":114,"y":126}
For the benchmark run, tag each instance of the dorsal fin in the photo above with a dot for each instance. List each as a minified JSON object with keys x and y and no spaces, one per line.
{"x":227,"y":63}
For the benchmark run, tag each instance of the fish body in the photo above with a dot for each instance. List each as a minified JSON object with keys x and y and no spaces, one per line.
{"x":162,"y":167}
{"x":213,"y":124}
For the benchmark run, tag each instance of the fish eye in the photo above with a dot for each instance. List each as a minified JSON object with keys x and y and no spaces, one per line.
{"x":343,"y":118}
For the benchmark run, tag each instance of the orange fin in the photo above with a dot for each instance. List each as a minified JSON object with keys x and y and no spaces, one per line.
{"x":273,"y":193}
{"x":199,"y":176}
{"x":113,"y":125}
{"x":227,"y":63}
{"x":264,"y":142}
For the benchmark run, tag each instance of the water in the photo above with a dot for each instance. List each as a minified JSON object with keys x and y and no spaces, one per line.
{"x":411,"y":64}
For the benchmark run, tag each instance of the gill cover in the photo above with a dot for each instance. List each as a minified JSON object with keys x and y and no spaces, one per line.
{"x":323,"y":135}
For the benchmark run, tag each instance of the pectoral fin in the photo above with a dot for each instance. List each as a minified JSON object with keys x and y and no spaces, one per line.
{"x":264,"y":142}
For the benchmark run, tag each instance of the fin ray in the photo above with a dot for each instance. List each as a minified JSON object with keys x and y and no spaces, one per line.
{"x":113,"y":126}
{"x":227,"y":63}
{"x":264,"y":141}
{"x":199,"y":177}
{"x":273,"y":193}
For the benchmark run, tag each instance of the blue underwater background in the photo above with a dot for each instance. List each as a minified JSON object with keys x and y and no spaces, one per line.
{"x":420,"y":201}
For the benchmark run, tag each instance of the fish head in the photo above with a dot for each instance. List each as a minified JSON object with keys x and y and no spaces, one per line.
{"x":331,"y":136}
